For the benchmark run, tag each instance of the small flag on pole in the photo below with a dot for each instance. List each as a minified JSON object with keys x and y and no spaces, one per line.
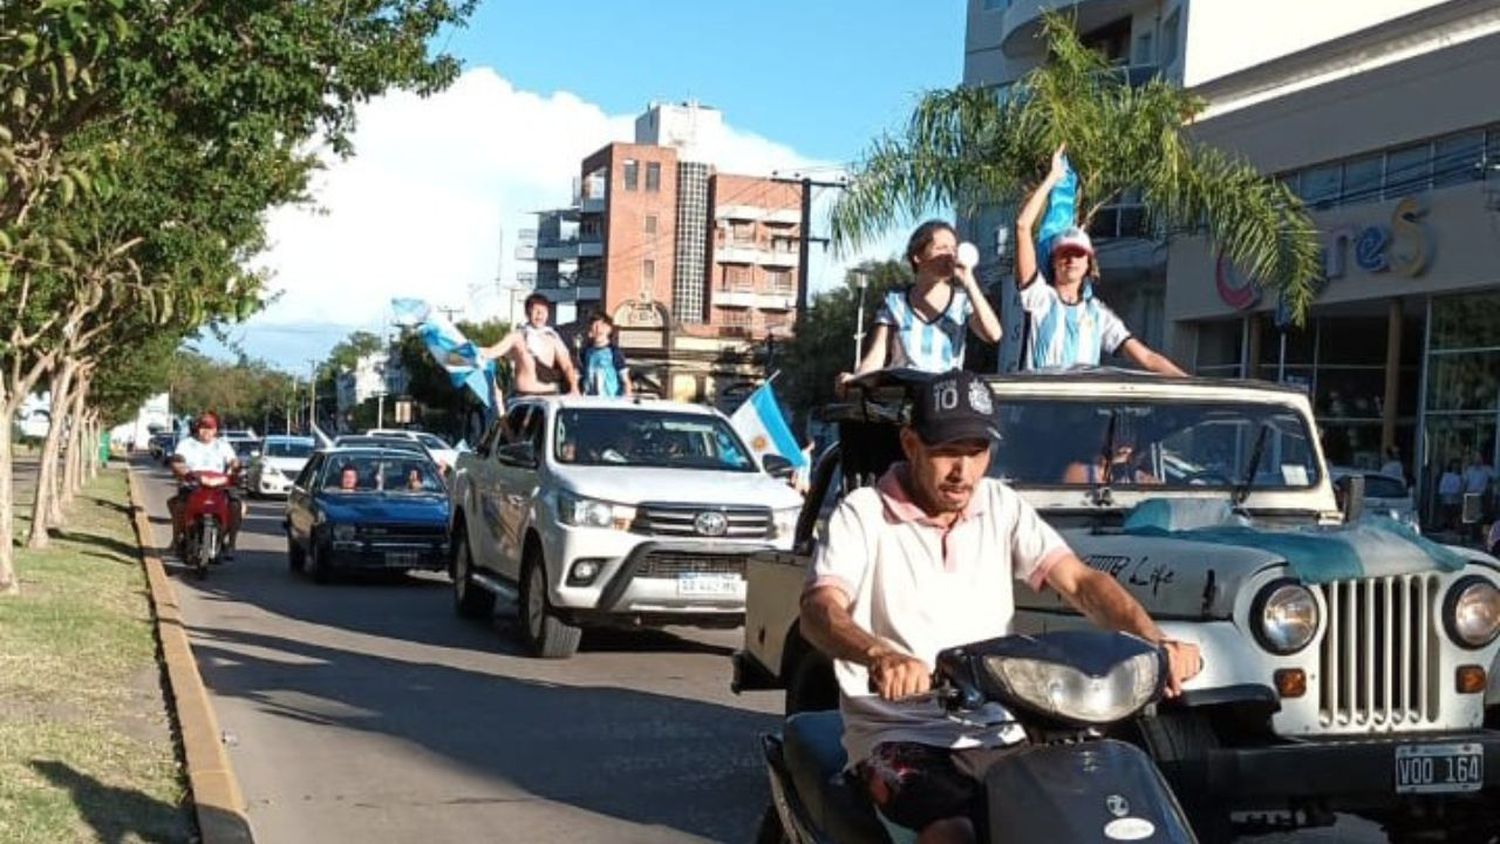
{"x":761,"y":424}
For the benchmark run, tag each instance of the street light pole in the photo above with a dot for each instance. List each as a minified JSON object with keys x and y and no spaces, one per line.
{"x":859,"y":331}
{"x":312,"y":397}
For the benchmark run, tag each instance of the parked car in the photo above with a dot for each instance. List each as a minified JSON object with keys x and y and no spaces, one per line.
{"x":1384,"y":495}
{"x":161,"y":445}
{"x":444,"y":453}
{"x":1347,"y":667}
{"x":598,"y":512}
{"x":392,"y":515}
{"x":278,"y":462}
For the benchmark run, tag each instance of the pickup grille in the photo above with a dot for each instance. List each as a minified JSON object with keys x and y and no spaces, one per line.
{"x":1380,"y":654}
{"x":402,"y":533}
{"x":672,"y":563}
{"x":677,"y":520}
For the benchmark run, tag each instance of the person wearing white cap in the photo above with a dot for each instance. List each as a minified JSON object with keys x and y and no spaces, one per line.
{"x":1068,"y":324}
{"x":923,"y":326}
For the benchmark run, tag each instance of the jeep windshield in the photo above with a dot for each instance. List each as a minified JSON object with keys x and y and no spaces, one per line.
{"x":1152,"y":444}
{"x":661,"y":439}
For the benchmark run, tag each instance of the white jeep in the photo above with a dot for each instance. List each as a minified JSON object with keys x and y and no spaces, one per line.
{"x":604,"y":511}
{"x":1349,"y":663}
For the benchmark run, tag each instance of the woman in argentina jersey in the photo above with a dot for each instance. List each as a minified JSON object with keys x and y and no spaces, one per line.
{"x":923,"y":326}
{"x":1068,"y":324}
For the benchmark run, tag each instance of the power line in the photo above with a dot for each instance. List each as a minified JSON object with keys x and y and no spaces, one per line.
{"x":806,"y":239}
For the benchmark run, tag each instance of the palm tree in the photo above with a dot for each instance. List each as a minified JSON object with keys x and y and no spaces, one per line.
{"x":969,"y":145}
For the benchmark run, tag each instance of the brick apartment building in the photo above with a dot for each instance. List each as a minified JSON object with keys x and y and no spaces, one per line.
{"x":698,"y":268}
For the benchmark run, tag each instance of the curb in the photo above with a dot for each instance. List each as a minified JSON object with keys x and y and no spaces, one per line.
{"x":217,"y":801}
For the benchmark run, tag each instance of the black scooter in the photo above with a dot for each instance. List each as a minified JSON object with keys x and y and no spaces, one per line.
{"x":1069,"y":783}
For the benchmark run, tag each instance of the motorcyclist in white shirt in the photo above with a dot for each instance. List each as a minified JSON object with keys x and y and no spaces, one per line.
{"x":204,"y":452}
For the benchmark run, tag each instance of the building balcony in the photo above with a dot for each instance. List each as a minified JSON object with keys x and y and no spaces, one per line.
{"x":739,"y":212}
{"x":778,"y":258}
{"x":776,"y":300}
{"x":731,"y":298}
{"x":739,"y":253}
{"x":557,"y":250}
{"x":782,"y":217}
{"x":592,"y":292}
{"x":590,"y":248}
{"x":1023,"y":20}
{"x":591,"y":204}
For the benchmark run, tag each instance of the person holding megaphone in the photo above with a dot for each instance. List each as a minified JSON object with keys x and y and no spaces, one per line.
{"x":923,"y":326}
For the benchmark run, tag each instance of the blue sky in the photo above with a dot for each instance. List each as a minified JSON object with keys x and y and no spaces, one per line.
{"x":822,"y":77}
{"x":430,"y":204}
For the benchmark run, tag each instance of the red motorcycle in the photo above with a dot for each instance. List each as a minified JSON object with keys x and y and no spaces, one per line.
{"x":206,"y":514}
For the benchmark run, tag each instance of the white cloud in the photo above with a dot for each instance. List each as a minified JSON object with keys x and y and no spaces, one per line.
{"x":418,"y":211}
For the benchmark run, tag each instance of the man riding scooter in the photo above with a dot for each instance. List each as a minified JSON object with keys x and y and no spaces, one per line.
{"x":925,"y":560}
{"x":204,"y":452}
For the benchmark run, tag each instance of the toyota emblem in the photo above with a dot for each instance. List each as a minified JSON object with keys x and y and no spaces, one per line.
{"x":711,"y":523}
{"x":1117,"y":805}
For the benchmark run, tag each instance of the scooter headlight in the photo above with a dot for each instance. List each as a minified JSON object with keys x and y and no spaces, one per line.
{"x":1066,"y":693}
{"x":1472,"y":612}
{"x":1284,"y":617}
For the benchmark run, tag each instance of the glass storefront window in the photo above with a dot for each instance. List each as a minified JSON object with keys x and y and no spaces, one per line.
{"x":1407,"y":170}
{"x":1299,"y":343}
{"x":1458,"y":159}
{"x":1320,"y":185}
{"x":1463,"y":381}
{"x":1354,"y":340}
{"x":1350,"y":393}
{"x":1362,"y":179}
{"x":1466,"y":322}
{"x":1219,"y":347}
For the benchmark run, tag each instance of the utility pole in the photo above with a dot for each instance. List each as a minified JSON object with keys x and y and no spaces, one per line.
{"x":312,"y":396}
{"x":449,"y":312}
{"x":806,"y":239}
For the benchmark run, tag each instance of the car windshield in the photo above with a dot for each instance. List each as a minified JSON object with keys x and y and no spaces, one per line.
{"x":1053,"y":442}
{"x":288,"y":449}
{"x":608,"y":437}
{"x":433,"y":442}
{"x":356,"y":474}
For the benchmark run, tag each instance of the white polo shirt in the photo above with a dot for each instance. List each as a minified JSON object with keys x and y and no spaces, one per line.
{"x":921,"y":588}
{"x":213,"y":457}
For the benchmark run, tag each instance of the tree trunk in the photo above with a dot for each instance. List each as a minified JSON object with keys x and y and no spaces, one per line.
{"x":95,"y":428}
{"x":78,"y":436}
{"x":9,"y":583}
{"x":46,"y":479}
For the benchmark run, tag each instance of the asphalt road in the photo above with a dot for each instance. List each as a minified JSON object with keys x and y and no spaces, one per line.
{"x":366,"y":710}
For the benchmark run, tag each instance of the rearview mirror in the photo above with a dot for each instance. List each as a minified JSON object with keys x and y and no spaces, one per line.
{"x":777,"y":466}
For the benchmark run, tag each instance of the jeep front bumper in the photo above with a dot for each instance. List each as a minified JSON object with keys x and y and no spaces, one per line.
{"x":1344,"y":774}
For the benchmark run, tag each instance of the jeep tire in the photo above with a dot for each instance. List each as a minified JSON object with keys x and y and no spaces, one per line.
{"x":548,"y":636}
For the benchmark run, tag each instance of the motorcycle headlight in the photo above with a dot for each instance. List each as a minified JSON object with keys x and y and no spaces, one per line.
{"x":345,"y":533}
{"x":1472,"y":612}
{"x":784,"y":522}
{"x":1063,"y":692}
{"x":588,"y":512}
{"x":1284,"y":617}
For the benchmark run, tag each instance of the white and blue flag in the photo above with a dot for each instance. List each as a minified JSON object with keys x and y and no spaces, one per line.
{"x":762,"y":426}
{"x":465,"y":366}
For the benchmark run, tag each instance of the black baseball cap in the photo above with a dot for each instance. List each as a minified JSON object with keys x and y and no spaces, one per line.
{"x":954,"y":406}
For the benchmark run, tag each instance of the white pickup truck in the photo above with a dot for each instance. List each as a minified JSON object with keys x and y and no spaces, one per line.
{"x":1349,"y":663}
{"x":612,"y":512}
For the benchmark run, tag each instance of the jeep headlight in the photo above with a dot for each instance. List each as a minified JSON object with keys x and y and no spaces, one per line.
{"x":1063,"y":692}
{"x":590,"y":512}
{"x":345,"y":533}
{"x":1284,"y":617}
{"x":1472,"y":612}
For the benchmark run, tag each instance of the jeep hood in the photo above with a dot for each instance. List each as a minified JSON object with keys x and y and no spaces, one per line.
{"x":635,"y":485}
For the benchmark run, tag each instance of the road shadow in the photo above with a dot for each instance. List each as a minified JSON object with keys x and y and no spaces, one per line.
{"x":646,"y":758}
{"x":118,"y":815}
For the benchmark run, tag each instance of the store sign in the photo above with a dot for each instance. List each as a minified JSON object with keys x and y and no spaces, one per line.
{"x":1406,"y":246}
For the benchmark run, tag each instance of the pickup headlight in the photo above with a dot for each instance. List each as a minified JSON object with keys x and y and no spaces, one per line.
{"x":1472,"y":612}
{"x":345,"y":533}
{"x":1284,"y":617}
{"x":590,"y":512}
{"x":1063,"y":692}
{"x":784,"y":522}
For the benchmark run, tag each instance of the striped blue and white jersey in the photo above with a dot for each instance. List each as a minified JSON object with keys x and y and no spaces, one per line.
{"x":935,"y":346}
{"x":1063,"y":335}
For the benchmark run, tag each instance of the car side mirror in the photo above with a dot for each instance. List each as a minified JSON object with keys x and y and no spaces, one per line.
{"x":1350,"y":490}
{"x":777,"y":466}
{"x":517,"y":454}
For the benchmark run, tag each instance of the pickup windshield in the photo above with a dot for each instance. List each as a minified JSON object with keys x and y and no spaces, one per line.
{"x":1053,"y":442}
{"x":662,"y":439}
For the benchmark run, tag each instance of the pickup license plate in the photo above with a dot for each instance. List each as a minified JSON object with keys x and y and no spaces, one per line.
{"x":1439,"y":768}
{"x":400,"y":558}
{"x":701,"y":584}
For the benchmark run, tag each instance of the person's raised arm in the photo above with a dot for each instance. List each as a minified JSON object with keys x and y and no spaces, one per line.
{"x":1031,"y":210}
{"x":983,"y":320}
{"x":1106,"y":603}
{"x":502,"y":348}
{"x":1148,"y":358}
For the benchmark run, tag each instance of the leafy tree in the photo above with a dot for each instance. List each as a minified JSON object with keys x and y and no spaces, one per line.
{"x":969,"y":145}
{"x":823,"y":346}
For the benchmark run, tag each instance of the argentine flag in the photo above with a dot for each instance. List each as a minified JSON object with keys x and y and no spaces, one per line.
{"x":760,"y":424}
{"x":448,"y":347}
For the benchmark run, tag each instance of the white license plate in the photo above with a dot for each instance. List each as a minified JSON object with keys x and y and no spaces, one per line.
{"x":1439,"y":768}
{"x":400,"y":558}
{"x":710,"y":585}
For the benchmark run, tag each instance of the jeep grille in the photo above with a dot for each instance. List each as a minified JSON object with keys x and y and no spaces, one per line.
{"x":677,"y":520}
{"x":1380,"y":654}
